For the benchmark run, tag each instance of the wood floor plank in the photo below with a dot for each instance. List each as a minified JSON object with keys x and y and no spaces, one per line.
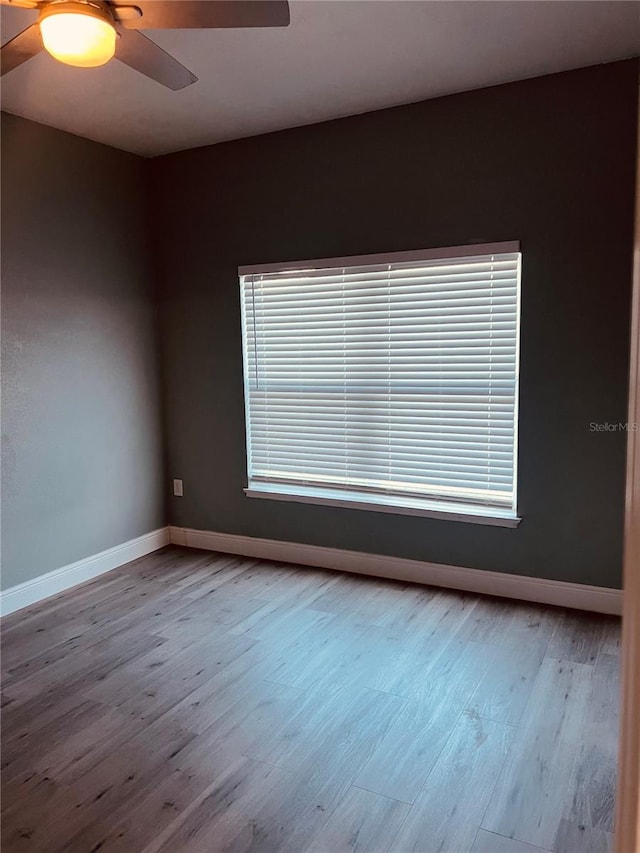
{"x":611,"y":637}
{"x":442,"y":618}
{"x":87,"y":746}
{"x":447,"y":812}
{"x":489,"y":842}
{"x":21,"y":754}
{"x":323,"y":764}
{"x":385,"y":604}
{"x":363,"y":822}
{"x":282,"y":624}
{"x":208,"y":619}
{"x":204,"y":706}
{"x":488,"y":621}
{"x":205,"y":577}
{"x":506,"y":685}
{"x":282,"y":819}
{"x":254,"y":716}
{"x":406,"y":756}
{"x":150,"y":755}
{"x":203,"y":702}
{"x":577,"y":838}
{"x":86,"y":668}
{"x":22,"y":721}
{"x":149,"y":690}
{"x":291,"y":600}
{"x":346,"y":597}
{"x":420,"y":605}
{"x":95,"y":605}
{"x":62,"y":608}
{"x":135,"y":824}
{"x":331,"y":735}
{"x":29,"y":826}
{"x":355,"y":654}
{"x":590,"y":794}
{"x":219,"y":816}
{"x":578,"y":637}
{"x":527,"y":803}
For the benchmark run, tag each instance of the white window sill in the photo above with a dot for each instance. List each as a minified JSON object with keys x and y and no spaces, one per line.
{"x":447,"y":511}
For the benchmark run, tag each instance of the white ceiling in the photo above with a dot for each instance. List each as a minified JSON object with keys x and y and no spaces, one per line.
{"x":337,"y":58}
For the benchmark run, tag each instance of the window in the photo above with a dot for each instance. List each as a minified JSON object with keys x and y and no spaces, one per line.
{"x":386,"y":382}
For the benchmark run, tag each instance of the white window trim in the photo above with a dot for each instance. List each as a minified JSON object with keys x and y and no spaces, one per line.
{"x":386,"y":258}
{"x":424,"y":507}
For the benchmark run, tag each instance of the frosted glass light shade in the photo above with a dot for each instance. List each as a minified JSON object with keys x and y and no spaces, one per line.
{"x":78,"y":38}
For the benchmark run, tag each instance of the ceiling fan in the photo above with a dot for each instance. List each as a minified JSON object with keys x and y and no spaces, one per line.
{"x":88,"y":33}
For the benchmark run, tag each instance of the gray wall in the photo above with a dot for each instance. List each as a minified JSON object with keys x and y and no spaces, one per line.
{"x":548,"y":161}
{"x":81,"y":443}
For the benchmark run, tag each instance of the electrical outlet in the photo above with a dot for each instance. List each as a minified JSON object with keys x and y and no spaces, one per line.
{"x":177,"y":488}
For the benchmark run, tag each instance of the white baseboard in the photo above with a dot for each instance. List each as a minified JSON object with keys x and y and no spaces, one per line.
{"x":560,"y":593}
{"x":25,"y":594}
{"x":578,"y":596}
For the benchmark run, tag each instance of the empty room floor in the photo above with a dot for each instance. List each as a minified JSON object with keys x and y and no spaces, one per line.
{"x":193,"y":701}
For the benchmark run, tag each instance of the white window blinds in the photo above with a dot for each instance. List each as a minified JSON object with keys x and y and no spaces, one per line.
{"x":387,"y":378}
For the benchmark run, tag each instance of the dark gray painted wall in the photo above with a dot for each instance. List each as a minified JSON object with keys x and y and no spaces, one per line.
{"x":81,"y":443}
{"x":548,"y":161}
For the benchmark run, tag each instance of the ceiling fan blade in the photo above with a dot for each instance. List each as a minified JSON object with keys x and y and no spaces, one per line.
{"x":203,"y":14}
{"x":139,"y":52}
{"x":25,"y":45}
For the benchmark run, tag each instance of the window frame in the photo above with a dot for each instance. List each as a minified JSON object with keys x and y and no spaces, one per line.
{"x":444,"y":509}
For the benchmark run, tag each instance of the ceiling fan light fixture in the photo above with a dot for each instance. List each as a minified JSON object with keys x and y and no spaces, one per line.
{"x":78,"y":34}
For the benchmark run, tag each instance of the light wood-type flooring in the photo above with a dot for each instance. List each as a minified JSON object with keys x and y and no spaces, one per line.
{"x":201,"y":702}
